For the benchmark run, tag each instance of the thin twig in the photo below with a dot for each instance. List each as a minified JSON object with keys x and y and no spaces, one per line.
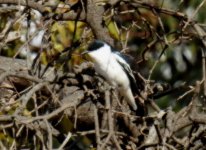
{"x":49,"y":132}
{"x":204,"y":70}
{"x":69,"y":135}
{"x":96,"y":121}
{"x":193,"y":15}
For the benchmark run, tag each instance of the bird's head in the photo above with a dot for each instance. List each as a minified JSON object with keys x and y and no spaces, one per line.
{"x":97,"y":50}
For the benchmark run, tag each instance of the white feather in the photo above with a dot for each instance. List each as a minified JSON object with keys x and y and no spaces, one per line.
{"x":106,"y":63}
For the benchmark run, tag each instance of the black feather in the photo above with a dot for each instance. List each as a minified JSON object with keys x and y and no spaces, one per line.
{"x":129,"y":73}
{"x":129,"y":59}
{"x":95,"y":45}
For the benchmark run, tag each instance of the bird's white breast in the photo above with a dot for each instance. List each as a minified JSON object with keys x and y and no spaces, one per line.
{"x":115,"y":70}
{"x":106,"y":65}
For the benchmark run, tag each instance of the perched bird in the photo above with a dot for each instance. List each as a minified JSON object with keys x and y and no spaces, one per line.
{"x":113,"y":67}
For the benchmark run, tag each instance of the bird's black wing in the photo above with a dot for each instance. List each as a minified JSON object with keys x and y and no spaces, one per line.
{"x":121,"y":60}
{"x":95,"y":45}
{"x":141,"y":111}
{"x":127,"y":58}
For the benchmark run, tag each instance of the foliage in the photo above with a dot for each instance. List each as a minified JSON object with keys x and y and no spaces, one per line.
{"x":52,"y":98}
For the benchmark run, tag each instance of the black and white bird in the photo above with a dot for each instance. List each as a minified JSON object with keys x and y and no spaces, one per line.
{"x":113,"y":67}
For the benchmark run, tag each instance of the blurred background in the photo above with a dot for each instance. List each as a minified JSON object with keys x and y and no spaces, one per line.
{"x":163,"y":43}
{"x":148,"y":36}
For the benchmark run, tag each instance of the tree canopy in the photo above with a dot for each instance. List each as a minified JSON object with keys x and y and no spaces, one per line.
{"x":52,"y":98}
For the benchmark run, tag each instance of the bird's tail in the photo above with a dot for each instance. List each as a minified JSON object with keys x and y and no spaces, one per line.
{"x":127,"y":93}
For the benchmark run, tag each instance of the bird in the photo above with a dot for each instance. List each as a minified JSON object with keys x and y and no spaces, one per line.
{"x":112,"y":65}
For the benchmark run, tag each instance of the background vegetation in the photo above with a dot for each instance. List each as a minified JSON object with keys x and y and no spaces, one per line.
{"x":50,"y":96}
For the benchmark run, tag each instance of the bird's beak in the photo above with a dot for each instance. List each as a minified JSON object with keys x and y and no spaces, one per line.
{"x":85,"y":52}
{"x":87,"y":57}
